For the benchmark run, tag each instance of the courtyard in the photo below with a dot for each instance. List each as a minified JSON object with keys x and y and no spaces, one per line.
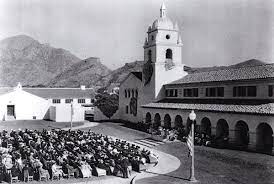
{"x":211,"y":165}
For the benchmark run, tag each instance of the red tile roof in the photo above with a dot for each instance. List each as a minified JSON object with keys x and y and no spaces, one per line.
{"x":254,"y":109}
{"x":230,"y":74}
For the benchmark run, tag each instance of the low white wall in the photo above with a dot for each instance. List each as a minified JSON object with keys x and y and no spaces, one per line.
{"x":62,"y":113}
{"x":52,"y":113}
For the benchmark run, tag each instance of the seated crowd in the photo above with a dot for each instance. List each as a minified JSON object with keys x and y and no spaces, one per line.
{"x":52,"y":154}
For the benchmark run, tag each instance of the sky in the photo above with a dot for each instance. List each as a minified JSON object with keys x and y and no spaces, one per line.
{"x":214,"y":32}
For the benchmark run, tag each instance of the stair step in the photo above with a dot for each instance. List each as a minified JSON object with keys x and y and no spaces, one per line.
{"x":149,"y":142}
{"x":143,"y":144}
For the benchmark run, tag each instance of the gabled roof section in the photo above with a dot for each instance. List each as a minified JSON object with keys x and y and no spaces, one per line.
{"x":49,"y":93}
{"x":5,"y":90}
{"x":230,"y":74}
{"x":138,"y":75}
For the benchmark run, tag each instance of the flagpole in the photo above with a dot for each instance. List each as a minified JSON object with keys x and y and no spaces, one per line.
{"x":192,"y":117}
{"x":71,"y":111}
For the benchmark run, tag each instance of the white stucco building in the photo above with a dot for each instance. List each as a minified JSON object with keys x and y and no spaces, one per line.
{"x":235,"y":102}
{"x":56,"y":104}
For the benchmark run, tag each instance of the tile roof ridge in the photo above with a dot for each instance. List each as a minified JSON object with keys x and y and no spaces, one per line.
{"x":52,"y":88}
{"x":232,"y":67}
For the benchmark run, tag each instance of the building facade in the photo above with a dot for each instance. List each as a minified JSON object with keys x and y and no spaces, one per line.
{"x":56,"y":104}
{"x":236,"y":103}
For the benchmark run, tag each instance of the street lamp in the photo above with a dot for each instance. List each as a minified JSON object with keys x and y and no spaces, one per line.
{"x":192,"y":117}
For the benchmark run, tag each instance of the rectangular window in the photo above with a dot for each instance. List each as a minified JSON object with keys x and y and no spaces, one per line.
{"x":81,"y":100}
{"x":251,"y":91}
{"x":244,"y":91}
{"x":68,"y":100}
{"x":270,"y":90}
{"x":220,"y":91}
{"x":55,"y":101}
{"x":212,"y":91}
{"x":175,"y":92}
{"x":215,"y":92}
{"x":191,"y":92}
{"x":180,"y":92}
{"x":171,"y":93}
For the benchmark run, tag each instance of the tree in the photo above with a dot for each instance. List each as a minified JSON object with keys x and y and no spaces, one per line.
{"x":107,"y":103}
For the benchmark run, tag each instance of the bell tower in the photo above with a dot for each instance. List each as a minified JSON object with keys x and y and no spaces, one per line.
{"x":162,"y":56}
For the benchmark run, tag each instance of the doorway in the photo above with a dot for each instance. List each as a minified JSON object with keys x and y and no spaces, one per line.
{"x":10,"y":110}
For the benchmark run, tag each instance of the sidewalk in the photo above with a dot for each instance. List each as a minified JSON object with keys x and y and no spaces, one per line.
{"x":86,"y":124}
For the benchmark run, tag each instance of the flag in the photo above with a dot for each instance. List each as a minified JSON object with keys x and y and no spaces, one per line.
{"x":189,"y":143}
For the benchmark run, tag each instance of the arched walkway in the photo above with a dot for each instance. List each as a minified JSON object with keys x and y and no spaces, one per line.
{"x":178,"y":123}
{"x":222,"y":129}
{"x":206,"y":126}
{"x":157,"y":120}
{"x":241,"y":133}
{"x":167,"y":121}
{"x":264,"y":137}
{"x":148,"y":118}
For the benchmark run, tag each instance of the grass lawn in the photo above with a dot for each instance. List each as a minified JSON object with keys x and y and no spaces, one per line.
{"x":35,"y":124}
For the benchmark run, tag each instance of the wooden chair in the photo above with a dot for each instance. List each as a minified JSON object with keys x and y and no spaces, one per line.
{"x":13,"y":179}
{"x":111,"y":169}
{"x":27,"y":177}
{"x":100,"y":172}
{"x":30,"y":178}
{"x":55,"y":176}
{"x":43,"y":177}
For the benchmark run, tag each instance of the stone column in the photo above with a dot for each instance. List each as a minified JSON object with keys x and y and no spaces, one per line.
{"x":232,"y":138}
{"x":252,"y":141}
{"x":213,"y":130}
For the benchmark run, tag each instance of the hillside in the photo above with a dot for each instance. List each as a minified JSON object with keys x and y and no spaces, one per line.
{"x":118,"y":75}
{"x":25,"y":60}
{"x":86,"y":72}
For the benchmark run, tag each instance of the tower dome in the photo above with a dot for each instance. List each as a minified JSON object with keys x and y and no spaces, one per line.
{"x":163,"y":22}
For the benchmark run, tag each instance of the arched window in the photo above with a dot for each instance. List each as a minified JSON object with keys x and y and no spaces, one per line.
{"x":132,"y":91}
{"x":149,"y":55}
{"x":136,"y":93}
{"x":125,"y":93}
{"x":128,"y":93}
{"x":168,"y":54}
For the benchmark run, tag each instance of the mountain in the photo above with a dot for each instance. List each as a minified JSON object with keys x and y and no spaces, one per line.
{"x":86,"y":72}
{"x":118,"y":75}
{"x":25,"y":60}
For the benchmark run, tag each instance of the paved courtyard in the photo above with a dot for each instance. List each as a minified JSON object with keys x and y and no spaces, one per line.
{"x":212,"y":165}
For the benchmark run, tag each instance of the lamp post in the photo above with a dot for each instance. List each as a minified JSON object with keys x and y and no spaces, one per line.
{"x":192,"y":117}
